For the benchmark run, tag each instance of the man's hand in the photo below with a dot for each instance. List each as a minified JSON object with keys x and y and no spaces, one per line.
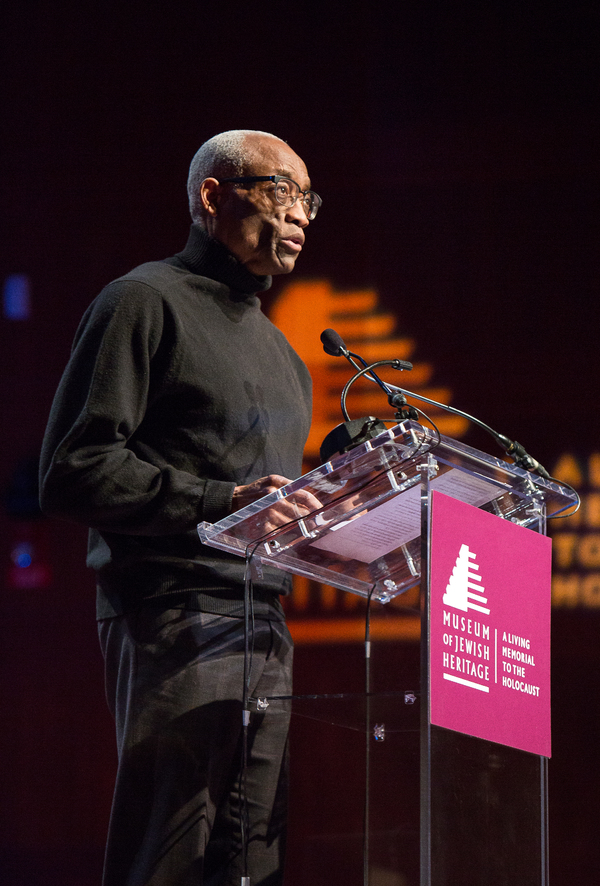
{"x":299,"y":504}
{"x":245,"y":495}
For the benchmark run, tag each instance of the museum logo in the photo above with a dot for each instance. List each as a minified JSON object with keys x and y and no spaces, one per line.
{"x":464,"y":588}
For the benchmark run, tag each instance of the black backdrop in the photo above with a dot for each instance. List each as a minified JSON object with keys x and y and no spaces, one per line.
{"x":456,"y":148}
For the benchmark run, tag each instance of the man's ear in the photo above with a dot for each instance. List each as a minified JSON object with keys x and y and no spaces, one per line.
{"x":209,"y":194}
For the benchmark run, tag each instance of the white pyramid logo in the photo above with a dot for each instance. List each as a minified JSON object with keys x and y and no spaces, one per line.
{"x":463,"y":581}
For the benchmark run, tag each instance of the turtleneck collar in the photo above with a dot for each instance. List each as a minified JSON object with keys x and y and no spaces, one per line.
{"x":208,"y":257}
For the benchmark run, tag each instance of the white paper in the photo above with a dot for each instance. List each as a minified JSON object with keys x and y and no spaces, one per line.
{"x":398,"y":520}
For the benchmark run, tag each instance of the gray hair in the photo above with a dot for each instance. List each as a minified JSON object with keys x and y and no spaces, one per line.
{"x":223,"y":156}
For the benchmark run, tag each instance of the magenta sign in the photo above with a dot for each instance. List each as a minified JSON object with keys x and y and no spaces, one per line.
{"x":489,"y":627}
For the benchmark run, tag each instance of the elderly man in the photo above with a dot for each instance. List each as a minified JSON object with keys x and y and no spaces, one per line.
{"x":181,"y":403}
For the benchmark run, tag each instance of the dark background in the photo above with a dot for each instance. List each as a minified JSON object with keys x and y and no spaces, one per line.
{"x":456,"y":148}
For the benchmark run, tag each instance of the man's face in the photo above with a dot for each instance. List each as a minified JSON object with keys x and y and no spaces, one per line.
{"x":264,"y":235}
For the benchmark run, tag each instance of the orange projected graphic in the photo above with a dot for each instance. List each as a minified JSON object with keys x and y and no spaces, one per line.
{"x":576,"y":540}
{"x":305,"y":308}
{"x":318,"y":613}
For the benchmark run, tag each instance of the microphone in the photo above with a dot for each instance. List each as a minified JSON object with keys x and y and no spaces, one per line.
{"x":333,"y":343}
{"x":352,"y":433}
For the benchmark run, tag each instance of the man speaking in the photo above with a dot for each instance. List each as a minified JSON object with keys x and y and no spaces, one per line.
{"x":180,"y":403}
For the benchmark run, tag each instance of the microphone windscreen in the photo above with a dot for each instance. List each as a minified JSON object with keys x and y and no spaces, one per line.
{"x":333,"y":343}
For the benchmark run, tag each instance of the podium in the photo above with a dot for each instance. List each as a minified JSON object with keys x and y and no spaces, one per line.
{"x":454,"y":759}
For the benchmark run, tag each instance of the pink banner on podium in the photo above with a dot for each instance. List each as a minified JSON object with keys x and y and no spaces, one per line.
{"x":489,"y":627}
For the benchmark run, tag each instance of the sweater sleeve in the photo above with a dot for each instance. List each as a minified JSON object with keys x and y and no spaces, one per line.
{"x":88,"y":471}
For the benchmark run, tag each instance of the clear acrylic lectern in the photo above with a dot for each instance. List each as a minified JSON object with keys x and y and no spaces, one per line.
{"x":439,"y":807}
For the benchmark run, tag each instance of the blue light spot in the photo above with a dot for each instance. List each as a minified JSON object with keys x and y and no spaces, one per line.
{"x":16,"y":297}
{"x":22,"y":555}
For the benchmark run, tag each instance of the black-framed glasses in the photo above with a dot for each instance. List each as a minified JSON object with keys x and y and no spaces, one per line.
{"x":287,"y":191}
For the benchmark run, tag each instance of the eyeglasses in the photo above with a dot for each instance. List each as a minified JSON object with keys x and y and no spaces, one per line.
{"x":287,"y":191}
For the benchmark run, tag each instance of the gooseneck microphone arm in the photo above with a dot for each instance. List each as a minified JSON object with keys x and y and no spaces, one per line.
{"x":333,"y":344}
{"x":368,"y":370}
{"x":511,"y":447}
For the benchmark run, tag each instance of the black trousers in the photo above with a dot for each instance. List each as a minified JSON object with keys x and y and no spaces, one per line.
{"x":174,"y":681}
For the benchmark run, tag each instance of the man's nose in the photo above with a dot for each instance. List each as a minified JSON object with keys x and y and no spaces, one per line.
{"x":297,"y":214}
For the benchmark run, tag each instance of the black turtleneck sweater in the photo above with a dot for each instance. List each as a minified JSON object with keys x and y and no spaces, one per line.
{"x":178,"y":389}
